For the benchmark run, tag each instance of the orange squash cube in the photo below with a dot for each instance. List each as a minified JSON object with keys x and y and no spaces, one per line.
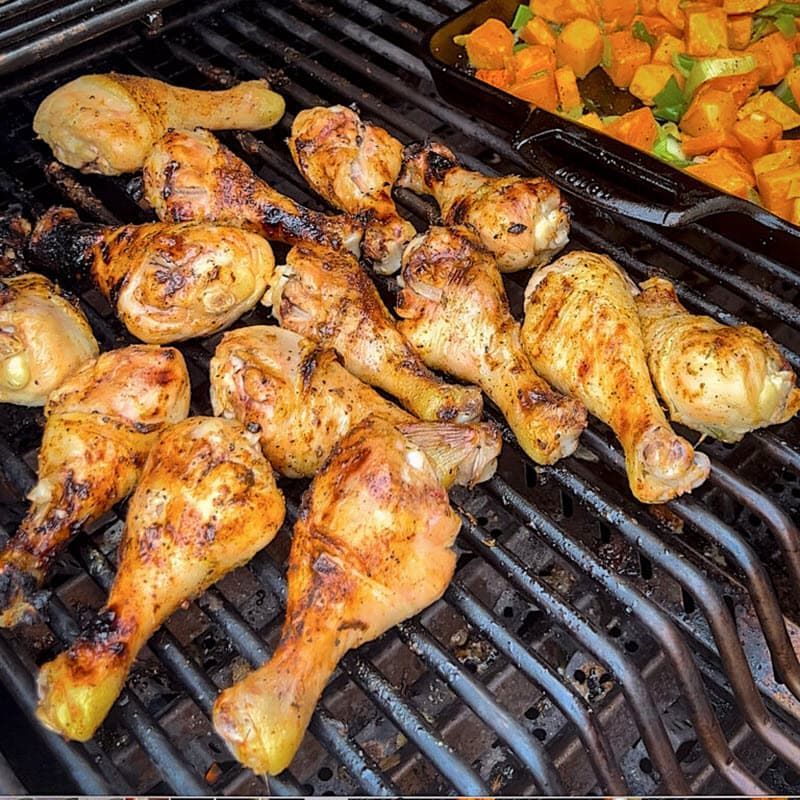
{"x":709,"y":111}
{"x":780,"y":160}
{"x":627,"y":54}
{"x":671,"y":10}
{"x":569,"y":98}
{"x":538,"y":90}
{"x":702,"y":145}
{"x":537,"y":31}
{"x":592,"y":120}
{"x":657,"y":26}
{"x":648,"y":7}
{"x":706,"y":31}
{"x":724,"y":172}
{"x":580,"y":46}
{"x":564,"y":11}
{"x":786,"y":144}
{"x":527,"y":62}
{"x":489,"y":45}
{"x":650,"y":79}
{"x":743,"y":6}
{"x":616,"y":13}
{"x":740,"y":87}
{"x":499,"y":78}
{"x":740,"y":29}
{"x":756,"y":134}
{"x":636,"y":128}
{"x":769,"y":104}
{"x":774,"y":55}
{"x":779,"y":187}
{"x":667,"y":47}
{"x":793,"y":82}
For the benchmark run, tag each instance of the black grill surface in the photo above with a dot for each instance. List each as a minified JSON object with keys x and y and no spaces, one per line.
{"x":588,"y":644}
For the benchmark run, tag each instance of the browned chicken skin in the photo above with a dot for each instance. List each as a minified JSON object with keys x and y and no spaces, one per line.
{"x":206,"y":504}
{"x":166,"y":281}
{"x":101,"y":424}
{"x":44,"y":337}
{"x":455,"y":312}
{"x":582,"y":334}
{"x":371,"y":548}
{"x":109,"y":123}
{"x":302,"y":401}
{"x":522,"y":222}
{"x":720,"y":380}
{"x":190,"y":176}
{"x":325,"y":295}
{"x":354,"y":165}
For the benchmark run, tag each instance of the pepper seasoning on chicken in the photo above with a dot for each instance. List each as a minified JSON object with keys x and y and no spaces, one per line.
{"x":167,"y":282}
{"x":101,"y":424}
{"x":522,"y":222}
{"x":455,"y":313}
{"x":44,"y":338}
{"x":324,"y":294}
{"x":354,"y":165}
{"x":582,"y":334}
{"x":720,"y":380}
{"x":206,"y":504}
{"x":372,"y":547}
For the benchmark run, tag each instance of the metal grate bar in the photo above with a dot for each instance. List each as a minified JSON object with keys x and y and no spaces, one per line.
{"x":9,"y":783}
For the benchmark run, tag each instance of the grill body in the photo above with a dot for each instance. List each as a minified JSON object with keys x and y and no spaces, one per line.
{"x":587,"y":643}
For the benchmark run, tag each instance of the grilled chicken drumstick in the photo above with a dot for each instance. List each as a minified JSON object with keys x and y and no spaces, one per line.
{"x":371,"y":548}
{"x":43,"y":338}
{"x":109,"y":123}
{"x":522,"y":222}
{"x":325,"y":295}
{"x":582,"y":334}
{"x":354,"y":165}
{"x":722,"y":381}
{"x":455,"y":312}
{"x":167,"y":282}
{"x":101,"y":424}
{"x":190,"y":176}
{"x":302,"y":401}
{"x":206,"y":504}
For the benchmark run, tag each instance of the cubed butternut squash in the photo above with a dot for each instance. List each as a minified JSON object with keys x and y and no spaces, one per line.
{"x":500,"y":78}
{"x":709,"y":111}
{"x":740,"y":30}
{"x":569,"y":98}
{"x":527,"y":62}
{"x":793,"y":82}
{"x":756,"y":134}
{"x":650,"y":79}
{"x":779,"y":187}
{"x":774,"y":55}
{"x":592,"y":120}
{"x":580,"y":46}
{"x":743,"y":6}
{"x":626,"y":54}
{"x":780,"y":160}
{"x":656,"y":25}
{"x":637,"y":128}
{"x":616,"y":13}
{"x":489,"y":45}
{"x":666,"y":48}
{"x":723,"y":173}
{"x":702,"y":145}
{"x":564,"y":11}
{"x":537,"y":31}
{"x":770,"y":105}
{"x":786,"y":144}
{"x":671,"y":10}
{"x":740,"y":87}
{"x":706,"y":31}
{"x":539,"y":90}
{"x":648,"y":7}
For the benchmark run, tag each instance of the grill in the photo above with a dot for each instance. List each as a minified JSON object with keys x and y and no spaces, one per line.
{"x":587,"y":644}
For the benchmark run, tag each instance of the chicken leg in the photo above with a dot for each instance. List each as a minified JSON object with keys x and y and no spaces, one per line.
{"x":190,"y":176}
{"x":456,"y":315}
{"x":44,"y":338}
{"x":722,"y":381}
{"x":325,"y":295}
{"x":109,"y":123}
{"x":371,"y":548}
{"x":101,"y":424}
{"x":582,"y":334}
{"x":206,"y":504}
{"x":302,"y":401}
{"x":167,"y":282}
{"x":522,"y":222}
{"x":354,"y":165}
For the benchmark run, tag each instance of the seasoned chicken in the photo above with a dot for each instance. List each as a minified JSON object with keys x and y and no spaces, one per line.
{"x":14,"y":232}
{"x":582,"y":334}
{"x":206,"y":504}
{"x":718,"y":380}
{"x":44,"y":337}
{"x":302,"y":401}
{"x":101,"y":424}
{"x":371,"y":548}
{"x":354,"y":165}
{"x":166,"y":281}
{"x":190,"y":176}
{"x":455,"y":312}
{"x":522,"y":222}
{"x":109,"y":123}
{"x":325,"y":295}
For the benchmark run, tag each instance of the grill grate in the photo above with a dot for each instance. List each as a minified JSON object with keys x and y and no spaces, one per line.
{"x":587,"y":643}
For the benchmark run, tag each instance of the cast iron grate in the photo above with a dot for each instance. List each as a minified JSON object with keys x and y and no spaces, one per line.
{"x":588,"y":644}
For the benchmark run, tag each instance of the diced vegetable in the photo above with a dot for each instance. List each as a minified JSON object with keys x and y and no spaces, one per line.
{"x":616,"y":13}
{"x":580,"y":46}
{"x":722,"y":173}
{"x":792,"y":83}
{"x":537,"y":31}
{"x":786,"y":144}
{"x":774,"y":57}
{"x":671,"y":10}
{"x":740,"y":29}
{"x":569,"y":98}
{"x":743,"y":6}
{"x":772,"y":107}
{"x":535,"y":58}
{"x":667,"y":47}
{"x":779,"y":187}
{"x":706,"y":31}
{"x":740,"y":87}
{"x":656,"y":26}
{"x":707,"y":143}
{"x":711,"y":110}
{"x":625,"y":55}
{"x":756,"y":134}
{"x":636,"y":128}
{"x":564,"y":11}
{"x":539,"y":89}
{"x":650,"y":80}
{"x":705,"y":69}
{"x":500,"y":78}
{"x":788,"y":157}
{"x":522,"y":17}
{"x":489,"y":45}
{"x":591,"y":120}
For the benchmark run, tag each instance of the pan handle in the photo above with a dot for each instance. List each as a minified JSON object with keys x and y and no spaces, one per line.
{"x":674,"y":198}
